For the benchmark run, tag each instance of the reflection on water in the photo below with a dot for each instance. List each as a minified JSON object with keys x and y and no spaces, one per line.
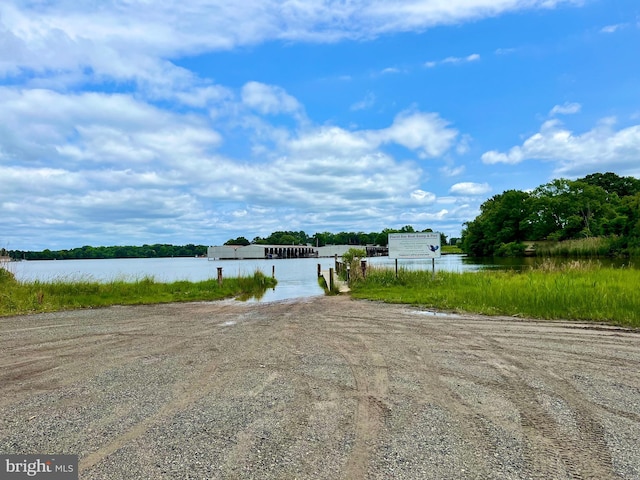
{"x":297,"y":277}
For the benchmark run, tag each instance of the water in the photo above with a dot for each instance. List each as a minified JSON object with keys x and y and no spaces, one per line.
{"x":297,"y":278}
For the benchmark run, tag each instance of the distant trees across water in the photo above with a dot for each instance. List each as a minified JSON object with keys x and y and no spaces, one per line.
{"x":145,"y":251}
{"x":328,"y":238}
{"x":600,"y":205}
{"x":165,"y":250}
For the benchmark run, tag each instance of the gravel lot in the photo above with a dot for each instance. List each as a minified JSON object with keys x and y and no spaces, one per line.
{"x":321,"y":388}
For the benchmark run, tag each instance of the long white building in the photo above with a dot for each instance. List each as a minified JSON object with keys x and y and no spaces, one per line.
{"x":253,"y":251}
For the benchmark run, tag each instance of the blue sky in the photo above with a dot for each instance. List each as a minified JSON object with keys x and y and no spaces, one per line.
{"x":197,"y":121}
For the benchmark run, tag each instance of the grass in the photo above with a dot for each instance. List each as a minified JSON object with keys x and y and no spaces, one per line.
{"x":585,"y":247}
{"x":18,"y":298}
{"x":575,"y":291}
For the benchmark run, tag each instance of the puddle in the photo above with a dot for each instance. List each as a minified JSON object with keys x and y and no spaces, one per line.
{"x":431,"y":313}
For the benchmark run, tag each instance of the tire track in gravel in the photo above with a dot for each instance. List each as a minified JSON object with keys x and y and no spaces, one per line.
{"x":370,"y":375}
{"x":185,"y":393}
{"x":550,"y":450}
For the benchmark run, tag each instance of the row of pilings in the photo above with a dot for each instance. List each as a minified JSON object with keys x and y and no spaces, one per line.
{"x":290,"y":252}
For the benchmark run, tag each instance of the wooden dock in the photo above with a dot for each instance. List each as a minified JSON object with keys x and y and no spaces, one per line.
{"x":341,"y":285}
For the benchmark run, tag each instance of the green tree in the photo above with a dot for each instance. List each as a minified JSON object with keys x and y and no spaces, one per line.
{"x":612,"y":183}
{"x":503,"y":219}
{"x":565,"y":209}
{"x":237,"y":241}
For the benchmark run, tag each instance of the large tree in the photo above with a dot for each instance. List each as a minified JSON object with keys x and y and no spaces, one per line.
{"x":503,"y":220}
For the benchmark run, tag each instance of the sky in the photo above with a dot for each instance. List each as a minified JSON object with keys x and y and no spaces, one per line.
{"x":131,"y":122}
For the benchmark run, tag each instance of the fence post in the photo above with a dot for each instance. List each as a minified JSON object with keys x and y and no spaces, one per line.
{"x":363,"y":266}
{"x":273,"y":271}
{"x":331,"y":279}
{"x":220,"y":276}
{"x":319,"y":270}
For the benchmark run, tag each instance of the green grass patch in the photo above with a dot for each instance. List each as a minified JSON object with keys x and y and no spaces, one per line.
{"x":29,"y":297}
{"x":575,"y":291}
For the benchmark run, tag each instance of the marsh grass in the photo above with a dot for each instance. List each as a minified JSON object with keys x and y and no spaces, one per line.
{"x":70,"y":293}
{"x":581,"y":248}
{"x":575,"y":291}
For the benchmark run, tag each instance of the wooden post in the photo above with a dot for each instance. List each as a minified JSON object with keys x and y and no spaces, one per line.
{"x":220,"y":276}
{"x":273,"y":271}
{"x":331,"y":279}
{"x":396,"y":268}
{"x":363,"y":266}
{"x":319,"y":270}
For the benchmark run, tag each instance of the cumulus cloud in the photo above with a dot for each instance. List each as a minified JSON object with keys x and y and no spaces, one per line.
{"x":106,"y":161}
{"x":427,"y":133}
{"x":470,"y":189}
{"x":96,"y":128}
{"x":603,"y":148}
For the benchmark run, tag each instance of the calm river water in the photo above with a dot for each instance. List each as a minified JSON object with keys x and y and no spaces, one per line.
{"x":296,"y":277}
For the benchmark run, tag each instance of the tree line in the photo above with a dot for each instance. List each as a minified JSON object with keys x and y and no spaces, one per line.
{"x":599,"y":205}
{"x":145,"y":251}
{"x":328,"y":238}
{"x":191,"y":250}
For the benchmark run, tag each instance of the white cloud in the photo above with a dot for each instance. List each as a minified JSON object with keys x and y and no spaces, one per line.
{"x":474,"y":57}
{"x":565,"y":109}
{"x":135,"y":40}
{"x":330,"y":141}
{"x":470,"y":189}
{"x":423,"y":197}
{"x":269,"y":99}
{"x":613,"y":28}
{"x":602,"y":148}
{"x":451,"y":171}
{"x":427,"y":133}
{"x":505,"y":51}
{"x":96,"y":128}
{"x":93,"y":162}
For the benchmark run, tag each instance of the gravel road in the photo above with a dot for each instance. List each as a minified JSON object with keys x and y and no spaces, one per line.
{"x":320,"y":388}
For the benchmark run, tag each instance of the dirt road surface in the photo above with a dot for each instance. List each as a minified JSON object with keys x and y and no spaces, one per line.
{"x":320,"y":388}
